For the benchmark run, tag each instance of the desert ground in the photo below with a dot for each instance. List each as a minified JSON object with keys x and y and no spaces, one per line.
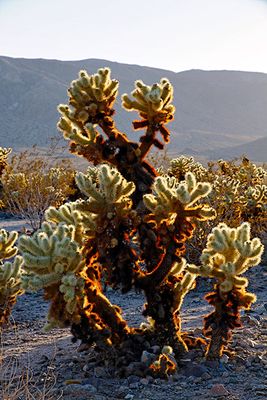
{"x":40,"y":365}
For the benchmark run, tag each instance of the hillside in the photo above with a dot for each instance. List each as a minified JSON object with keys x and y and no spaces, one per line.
{"x":254,"y":150}
{"x":215,"y":109}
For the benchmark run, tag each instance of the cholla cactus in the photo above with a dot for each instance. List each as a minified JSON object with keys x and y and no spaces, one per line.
{"x":53,"y":261}
{"x":108,"y":192}
{"x":91,"y":98}
{"x":69,"y":215}
{"x":10,"y":274}
{"x":172,"y":199}
{"x":165,"y":365}
{"x":3,"y":164}
{"x":128,"y":231}
{"x":89,"y":95}
{"x":4,"y":153}
{"x":228,"y":254}
{"x":107,"y":209}
{"x":153,"y":103}
{"x":173,"y":210}
{"x":181,"y":165}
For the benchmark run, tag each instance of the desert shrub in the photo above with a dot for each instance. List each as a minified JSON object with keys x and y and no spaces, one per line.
{"x":130,"y":229}
{"x":31,"y":183}
{"x":239,"y":195}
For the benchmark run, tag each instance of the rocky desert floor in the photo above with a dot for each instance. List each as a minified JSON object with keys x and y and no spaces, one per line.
{"x":36,"y":365}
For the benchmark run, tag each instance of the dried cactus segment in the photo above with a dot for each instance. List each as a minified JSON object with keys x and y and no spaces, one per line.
{"x":165,"y":365}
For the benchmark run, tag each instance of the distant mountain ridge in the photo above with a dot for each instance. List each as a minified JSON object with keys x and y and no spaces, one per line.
{"x":215,"y":110}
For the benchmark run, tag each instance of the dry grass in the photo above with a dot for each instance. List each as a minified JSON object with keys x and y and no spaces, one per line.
{"x":19,"y":382}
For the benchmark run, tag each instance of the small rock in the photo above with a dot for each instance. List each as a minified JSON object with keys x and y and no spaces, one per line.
{"x":155,"y":349}
{"x":100,"y":372}
{"x":85,"y":368}
{"x":144,"y":381}
{"x":79,"y":390}
{"x":218,"y":390}
{"x":252,"y":321}
{"x":122,"y":390}
{"x":213,"y":364}
{"x":147,"y":358}
{"x":133,"y":379}
{"x":129,"y":396}
{"x":224,"y":359}
{"x":134,"y":385}
{"x":194,"y":369}
{"x":205,"y":376}
{"x":260,"y":387}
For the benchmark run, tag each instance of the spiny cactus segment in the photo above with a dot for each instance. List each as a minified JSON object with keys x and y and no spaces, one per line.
{"x":4,"y":153}
{"x":153,"y":103}
{"x":228,"y":254}
{"x":107,"y":191}
{"x":10,"y":274}
{"x":172,"y":198}
{"x":53,"y":261}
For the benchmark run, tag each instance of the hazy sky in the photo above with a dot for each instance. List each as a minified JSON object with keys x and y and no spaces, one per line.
{"x":172,"y":34}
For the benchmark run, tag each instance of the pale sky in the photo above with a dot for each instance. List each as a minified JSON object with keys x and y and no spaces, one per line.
{"x":172,"y":34}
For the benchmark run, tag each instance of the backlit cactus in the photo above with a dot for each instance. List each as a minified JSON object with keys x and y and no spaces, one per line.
{"x":10,"y":274}
{"x":228,"y":254}
{"x":152,"y":102}
{"x":53,"y":261}
{"x":107,"y":192}
{"x":4,"y":153}
{"x":129,"y":231}
{"x":171,"y":198}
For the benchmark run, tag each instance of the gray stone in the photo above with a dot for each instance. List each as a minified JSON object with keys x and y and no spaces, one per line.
{"x":133,"y":379}
{"x":205,"y":376}
{"x":79,"y":390}
{"x":194,"y":369}
{"x":129,"y":396}
{"x":144,"y":381}
{"x":134,"y":385}
{"x":224,"y":359}
{"x":218,"y":390}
